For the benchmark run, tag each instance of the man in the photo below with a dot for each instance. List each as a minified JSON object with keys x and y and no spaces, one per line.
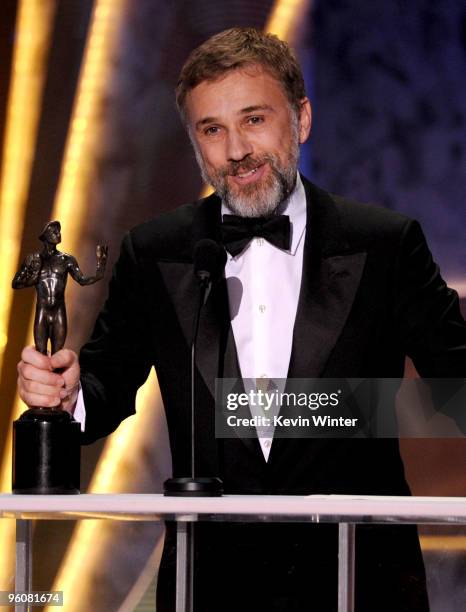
{"x":348,"y":293}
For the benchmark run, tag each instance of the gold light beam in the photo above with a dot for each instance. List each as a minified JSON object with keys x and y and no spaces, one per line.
{"x":451,"y":542}
{"x":286,"y":17}
{"x":83,"y":147}
{"x":32,"y":41}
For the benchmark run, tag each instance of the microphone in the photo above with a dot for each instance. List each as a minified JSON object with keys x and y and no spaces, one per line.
{"x":209,"y":262}
{"x":209,"y":259}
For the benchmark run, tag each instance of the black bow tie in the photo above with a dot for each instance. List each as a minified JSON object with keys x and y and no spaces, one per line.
{"x":237,"y":232}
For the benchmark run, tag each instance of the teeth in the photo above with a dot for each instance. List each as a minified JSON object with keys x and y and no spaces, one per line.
{"x":253,"y":171}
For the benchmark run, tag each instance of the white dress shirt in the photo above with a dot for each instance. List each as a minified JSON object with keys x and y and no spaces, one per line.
{"x":263,"y":284}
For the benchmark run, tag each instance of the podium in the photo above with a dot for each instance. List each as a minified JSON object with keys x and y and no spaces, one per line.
{"x":347,"y":511}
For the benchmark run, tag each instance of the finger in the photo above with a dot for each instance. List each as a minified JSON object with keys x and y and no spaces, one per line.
{"x":68,"y":393}
{"x":71,"y":378}
{"x":36,"y":399}
{"x":71,"y":371}
{"x":30,"y":372}
{"x":64,"y":358}
{"x":38,"y":388}
{"x":32,"y":356}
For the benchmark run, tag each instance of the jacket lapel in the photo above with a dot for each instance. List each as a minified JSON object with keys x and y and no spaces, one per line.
{"x":332,"y":271}
{"x":183,"y":290}
{"x":330,"y":279}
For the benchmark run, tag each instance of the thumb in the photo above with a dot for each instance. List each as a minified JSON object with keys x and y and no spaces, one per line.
{"x":64,"y":358}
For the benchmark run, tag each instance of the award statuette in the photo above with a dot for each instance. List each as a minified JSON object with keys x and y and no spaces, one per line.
{"x":46,"y":446}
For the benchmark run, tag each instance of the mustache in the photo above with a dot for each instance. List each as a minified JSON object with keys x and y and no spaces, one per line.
{"x":245,"y":165}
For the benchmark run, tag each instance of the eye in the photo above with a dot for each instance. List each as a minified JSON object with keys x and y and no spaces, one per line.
{"x":212,"y":130}
{"x":255,"y":120}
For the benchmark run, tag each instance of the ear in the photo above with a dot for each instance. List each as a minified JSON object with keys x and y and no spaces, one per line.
{"x":305,"y":120}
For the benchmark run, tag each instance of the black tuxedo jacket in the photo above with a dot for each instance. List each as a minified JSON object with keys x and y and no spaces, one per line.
{"x":370,"y":295}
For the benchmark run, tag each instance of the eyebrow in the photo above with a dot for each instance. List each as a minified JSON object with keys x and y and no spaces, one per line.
{"x":243,"y":111}
{"x":257,"y":107}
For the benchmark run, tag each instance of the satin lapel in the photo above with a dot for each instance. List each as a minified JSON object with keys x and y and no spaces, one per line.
{"x":183,"y":290}
{"x":330,"y":280}
{"x":213,"y":325}
{"x":327,"y":294}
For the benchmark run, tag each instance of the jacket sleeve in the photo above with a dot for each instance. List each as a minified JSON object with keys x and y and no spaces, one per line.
{"x":432,"y":328}
{"x":117,"y":359}
{"x":427,"y":312}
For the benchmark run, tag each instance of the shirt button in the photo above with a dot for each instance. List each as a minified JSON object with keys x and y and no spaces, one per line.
{"x":267,"y":444}
{"x":262,"y":308}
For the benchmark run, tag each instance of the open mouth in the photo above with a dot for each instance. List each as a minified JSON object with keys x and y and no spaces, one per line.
{"x":249,"y":176}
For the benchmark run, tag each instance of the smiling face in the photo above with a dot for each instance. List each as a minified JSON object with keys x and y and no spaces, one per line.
{"x":246,"y":137}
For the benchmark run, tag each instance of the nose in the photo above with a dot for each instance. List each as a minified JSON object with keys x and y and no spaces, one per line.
{"x":238,"y":146}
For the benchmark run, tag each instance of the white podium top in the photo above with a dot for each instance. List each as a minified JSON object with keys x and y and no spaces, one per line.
{"x":251,"y":508}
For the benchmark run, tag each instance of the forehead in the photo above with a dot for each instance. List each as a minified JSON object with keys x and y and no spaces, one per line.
{"x":233,"y":92}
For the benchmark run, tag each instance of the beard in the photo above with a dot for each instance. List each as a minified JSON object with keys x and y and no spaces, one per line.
{"x":262,"y":198}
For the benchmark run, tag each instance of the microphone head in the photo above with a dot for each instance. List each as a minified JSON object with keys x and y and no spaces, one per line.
{"x":209,"y":260}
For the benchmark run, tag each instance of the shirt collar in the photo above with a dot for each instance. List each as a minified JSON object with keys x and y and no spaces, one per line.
{"x":295,"y":208}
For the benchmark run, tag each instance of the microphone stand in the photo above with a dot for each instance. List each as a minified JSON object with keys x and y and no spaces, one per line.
{"x":195,"y":486}
{"x":192,"y":486}
{"x":205,"y":286}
